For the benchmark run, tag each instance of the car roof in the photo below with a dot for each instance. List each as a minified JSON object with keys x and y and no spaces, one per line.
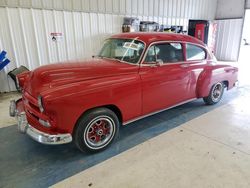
{"x":149,"y":37}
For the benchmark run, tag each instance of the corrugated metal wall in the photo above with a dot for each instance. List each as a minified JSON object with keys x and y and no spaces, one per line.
{"x":247,"y":6}
{"x":25,"y":32}
{"x":171,"y":8}
{"x":229,"y":16}
{"x":228,"y":39}
{"x":230,"y":9}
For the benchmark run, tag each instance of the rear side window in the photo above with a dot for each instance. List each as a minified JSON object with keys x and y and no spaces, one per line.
{"x":195,"y":52}
{"x":166,"y":52}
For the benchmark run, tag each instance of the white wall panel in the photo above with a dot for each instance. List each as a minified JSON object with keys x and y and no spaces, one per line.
{"x":70,"y":35}
{"x":85,"y":5}
{"x":155,"y":8}
{"x":129,"y":7}
{"x":134,"y":6}
{"x":228,"y":39}
{"x":87,"y":41}
{"x":48,"y":4}
{"x":94,"y":6}
{"x":101,"y":6}
{"x":115,"y":6}
{"x":77,"y":5}
{"x":26,"y":35}
{"x":29,"y":38}
{"x":60,"y":27}
{"x":109,"y":6}
{"x":230,"y":9}
{"x":49,"y":22}
{"x":40,"y":35}
{"x":247,"y":5}
{"x":122,"y":4}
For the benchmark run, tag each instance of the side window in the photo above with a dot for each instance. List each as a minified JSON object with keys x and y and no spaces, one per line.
{"x":152,"y":54}
{"x":166,"y":52}
{"x":195,"y":52}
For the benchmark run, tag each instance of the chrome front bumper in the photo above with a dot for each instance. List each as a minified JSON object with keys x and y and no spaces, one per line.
{"x":35,"y":134}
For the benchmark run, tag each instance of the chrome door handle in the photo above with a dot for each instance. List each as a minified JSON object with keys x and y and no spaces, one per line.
{"x":184,"y":65}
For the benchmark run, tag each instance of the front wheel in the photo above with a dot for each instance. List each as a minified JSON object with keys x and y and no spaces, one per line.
{"x":96,"y":130}
{"x":215,"y":94}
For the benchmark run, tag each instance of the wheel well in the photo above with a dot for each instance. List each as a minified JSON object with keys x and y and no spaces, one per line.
{"x":114,"y":108}
{"x":226,"y":83}
{"x":111,"y":107}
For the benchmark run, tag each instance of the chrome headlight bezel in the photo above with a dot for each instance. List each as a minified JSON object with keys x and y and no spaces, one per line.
{"x":40,"y":103}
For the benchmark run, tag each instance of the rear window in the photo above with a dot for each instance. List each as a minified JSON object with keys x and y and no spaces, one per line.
{"x":195,"y":52}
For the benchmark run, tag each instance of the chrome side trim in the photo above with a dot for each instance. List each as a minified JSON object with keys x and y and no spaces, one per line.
{"x":153,"y":113}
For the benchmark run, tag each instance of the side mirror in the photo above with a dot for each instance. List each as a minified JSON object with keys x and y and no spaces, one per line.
{"x":159,"y":62}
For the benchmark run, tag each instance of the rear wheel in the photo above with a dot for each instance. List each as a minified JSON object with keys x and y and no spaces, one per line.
{"x":96,"y":130}
{"x":215,"y":94}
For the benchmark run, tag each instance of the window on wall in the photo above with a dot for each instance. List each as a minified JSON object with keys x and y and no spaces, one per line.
{"x":195,"y":52}
{"x":166,"y":52}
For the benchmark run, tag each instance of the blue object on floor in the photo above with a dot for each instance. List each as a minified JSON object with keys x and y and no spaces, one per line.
{"x":3,"y":60}
{"x":2,"y":55}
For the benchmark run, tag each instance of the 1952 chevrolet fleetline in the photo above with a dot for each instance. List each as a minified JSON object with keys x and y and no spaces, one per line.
{"x":135,"y":75}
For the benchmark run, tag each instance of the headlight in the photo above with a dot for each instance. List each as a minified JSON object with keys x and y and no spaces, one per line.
{"x":44,"y":123}
{"x":40,"y":103}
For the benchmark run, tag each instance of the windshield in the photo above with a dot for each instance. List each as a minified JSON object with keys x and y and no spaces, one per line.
{"x":128,"y":50}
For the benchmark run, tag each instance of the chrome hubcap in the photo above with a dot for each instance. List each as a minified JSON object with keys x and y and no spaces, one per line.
{"x":99,"y":132}
{"x":217,"y":91}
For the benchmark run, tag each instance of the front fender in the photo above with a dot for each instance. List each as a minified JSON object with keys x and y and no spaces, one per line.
{"x":68,"y":103}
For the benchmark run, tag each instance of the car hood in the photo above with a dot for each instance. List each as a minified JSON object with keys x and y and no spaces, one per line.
{"x":61,"y":74}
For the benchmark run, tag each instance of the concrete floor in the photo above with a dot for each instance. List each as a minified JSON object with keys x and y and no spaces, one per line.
{"x":212,"y":150}
{"x":5,"y":119}
{"x":192,"y":145}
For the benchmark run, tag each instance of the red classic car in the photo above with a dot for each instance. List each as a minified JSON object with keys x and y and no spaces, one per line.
{"x":135,"y":75}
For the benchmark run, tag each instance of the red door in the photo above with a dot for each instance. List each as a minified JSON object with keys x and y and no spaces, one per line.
{"x":165,"y":83}
{"x":200,"y":31}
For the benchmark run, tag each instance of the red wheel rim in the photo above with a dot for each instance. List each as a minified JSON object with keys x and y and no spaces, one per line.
{"x":99,"y":132}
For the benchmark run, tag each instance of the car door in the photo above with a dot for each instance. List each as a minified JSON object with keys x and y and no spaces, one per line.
{"x":164,"y":76}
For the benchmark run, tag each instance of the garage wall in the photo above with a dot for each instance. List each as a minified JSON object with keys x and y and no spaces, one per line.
{"x":26,"y":26}
{"x":247,"y":5}
{"x":230,"y":9}
{"x":229,"y":17}
{"x":228,"y":39}
{"x":175,"y":8}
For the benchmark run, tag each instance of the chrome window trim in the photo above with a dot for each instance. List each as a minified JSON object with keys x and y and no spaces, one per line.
{"x":164,"y":64}
{"x":170,"y":41}
{"x":160,"y":42}
{"x":205,"y":50}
